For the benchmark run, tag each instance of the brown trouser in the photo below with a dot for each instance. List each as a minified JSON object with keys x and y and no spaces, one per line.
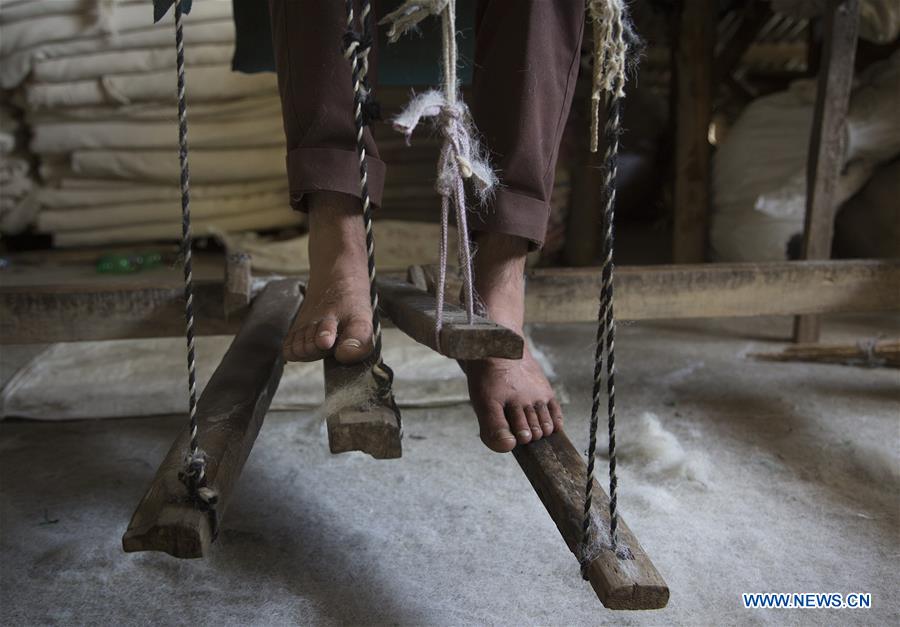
{"x":526,"y":64}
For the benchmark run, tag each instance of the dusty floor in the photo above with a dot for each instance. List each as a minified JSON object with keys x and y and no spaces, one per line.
{"x":760,"y":477}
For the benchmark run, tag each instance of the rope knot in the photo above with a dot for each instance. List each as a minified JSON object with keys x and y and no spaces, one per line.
{"x":408,"y":15}
{"x":354,"y":43}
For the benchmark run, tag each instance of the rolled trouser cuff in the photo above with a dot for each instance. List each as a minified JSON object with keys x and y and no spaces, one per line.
{"x":512,"y":213}
{"x":331,"y":170}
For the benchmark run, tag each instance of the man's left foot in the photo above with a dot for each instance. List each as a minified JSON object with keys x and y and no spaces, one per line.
{"x":513,"y":399}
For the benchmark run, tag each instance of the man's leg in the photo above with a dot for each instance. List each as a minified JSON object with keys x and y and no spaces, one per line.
{"x":323,"y":172}
{"x":526,"y":64}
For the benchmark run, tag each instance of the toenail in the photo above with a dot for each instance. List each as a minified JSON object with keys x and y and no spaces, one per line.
{"x":503,"y":434}
{"x":547,"y":425}
{"x":524,"y":434}
{"x":324,"y":333}
{"x":352,"y":343}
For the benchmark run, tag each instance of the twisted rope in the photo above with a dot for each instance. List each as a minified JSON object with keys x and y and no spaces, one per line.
{"x":461,"y":156}
{"x":609,"y":24}
{"x":194,"y":473}
{"x":356,"y":49}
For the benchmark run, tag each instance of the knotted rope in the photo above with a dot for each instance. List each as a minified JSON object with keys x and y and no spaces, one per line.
{"x":194,"y":473}
{"x":461,"y":155}
{"x":610,"y":24}
{"x":356,"y":47}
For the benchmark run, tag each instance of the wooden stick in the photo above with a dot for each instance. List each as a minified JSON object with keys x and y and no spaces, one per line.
{"x":827,"y":141}
{"x":880,"y":354}
{"x":230,"y":413}
{"x":412,"y":310}
{"x":693,"y":77}
{"x":238,"y":283}
{"x":712,"y":290}
{"x":372,"y":427}
{"x":558,"y":473}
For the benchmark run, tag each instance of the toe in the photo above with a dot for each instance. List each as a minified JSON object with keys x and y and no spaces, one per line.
{"x":326,"y":333}
{"x":293,"y":344}
{"x":495,"y":431}
{"x":543,"y":415}
{"x":555,"y":414}
{"x":518,"y":423}
{"x":310,"y":351}
{"x":354,"y":340}
{"x":531,"y":416}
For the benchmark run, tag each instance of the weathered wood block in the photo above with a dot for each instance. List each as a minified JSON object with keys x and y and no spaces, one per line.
{"x":230,"y":413}
{"x":413,"y":311}
{"x":558,"y":474}
{"x":372,"y":427}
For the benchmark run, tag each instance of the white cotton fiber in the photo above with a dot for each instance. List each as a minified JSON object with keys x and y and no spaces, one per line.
{"x":647,"y":448}
{"x":358,"y":395}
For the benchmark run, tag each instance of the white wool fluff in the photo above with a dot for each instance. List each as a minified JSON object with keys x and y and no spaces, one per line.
{"x":647,"y":448}
{"x":359,"y":395}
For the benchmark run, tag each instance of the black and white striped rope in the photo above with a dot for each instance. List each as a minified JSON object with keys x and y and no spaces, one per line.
{"x":194,"y":472}
{"x":356,"y":50}
{"x":606,"y":325}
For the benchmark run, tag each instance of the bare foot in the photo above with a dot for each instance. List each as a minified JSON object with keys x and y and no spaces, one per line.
{"x":336,"y":314}
{"x":512,"y":398}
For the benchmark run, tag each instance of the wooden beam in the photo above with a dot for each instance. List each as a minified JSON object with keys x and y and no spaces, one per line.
{"x":108,"y":310}
{"x":828,"y":142}
{"x":372,"y":427}
{"x":230,"y":413}
{"x":624,"y":581}
{"x":413,"y":311}
{"x":693,"y":59}
{"x":115,"y":310}
{"x":713,"y":290}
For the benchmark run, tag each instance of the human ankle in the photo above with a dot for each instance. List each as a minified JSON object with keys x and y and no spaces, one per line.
{"x":336,"y":234}
{"x":499,"y":265}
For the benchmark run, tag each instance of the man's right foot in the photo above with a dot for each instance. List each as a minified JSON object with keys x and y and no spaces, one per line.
{"x":336,"y":314}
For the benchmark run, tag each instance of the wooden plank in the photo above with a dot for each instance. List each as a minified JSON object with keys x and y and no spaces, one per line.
{"x":828,"y":141}
{"x":693,"y":60}
{"x":108,"y":311}
{"x":865,"y":353}
{"x":713,"y":290}
{"x":238,"y":283}
{"x":413,"y":311}
{"x":117,"y":310}
{"x":372,"y":427}
{"x":622,"y":580}
{"x":230,"y":413}
{"x":58,"y":296}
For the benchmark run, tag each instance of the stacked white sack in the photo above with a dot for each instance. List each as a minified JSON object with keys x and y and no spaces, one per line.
{"x":17,"y":202}
{"x":96,"y":79}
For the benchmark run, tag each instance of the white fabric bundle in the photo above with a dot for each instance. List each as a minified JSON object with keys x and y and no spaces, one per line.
{"x":17,"y":201}
{"x":759,"y":170}
{"x":99,"y":64}
{"x":137,"y":213}
{"x":207,"y":166}
{"x":97,"y":81}
{"x":62,"y":137}
{"x":19,"y":63}
{"x":70,"y":193}
{"x":206,"y":84}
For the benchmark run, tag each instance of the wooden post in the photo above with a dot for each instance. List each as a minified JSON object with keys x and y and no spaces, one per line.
{"x":372,"y":427}
{"x":413,"y":311}
{"x":238,"y":283}
{"x":827,"y":142}
{"x":558,"y":474}
{"x":230,"y":413}
{"x":693,"y":60}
